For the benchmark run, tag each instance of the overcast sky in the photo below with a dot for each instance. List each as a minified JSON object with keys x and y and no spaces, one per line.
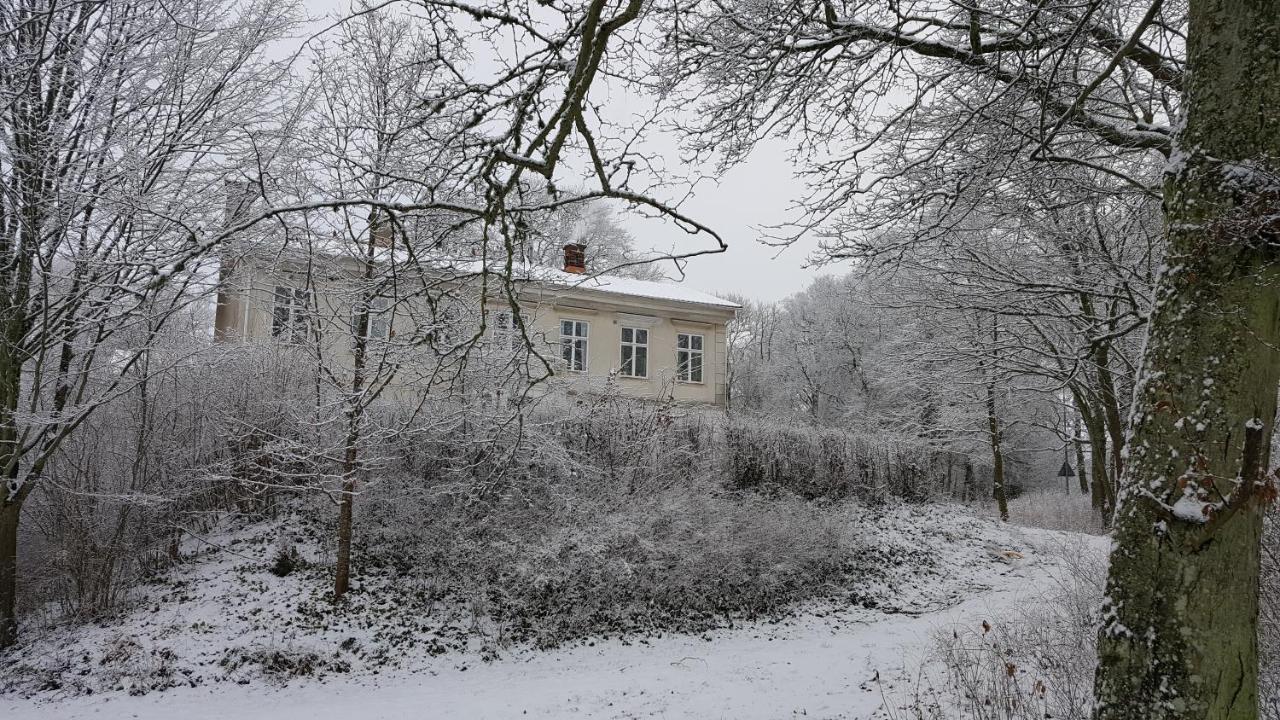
{"x":751,"y":196}
{"x":747,"y":198}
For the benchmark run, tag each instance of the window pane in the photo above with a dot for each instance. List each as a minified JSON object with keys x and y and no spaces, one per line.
{"x":279,"y":321}
{"x":581,"y":329}
{"x":642,"y":337}
{"x":695,"y":342}
{"x":566,"y":351}
{"x":626,"y":368}
{"x":695,"y":367}
{"x":626,"y":335}
{"x":682,"y":365}
{"x":566,"y":327}
{"x":641,"y":364}
{"x":580,"y":355}
{"x":682,"y":341}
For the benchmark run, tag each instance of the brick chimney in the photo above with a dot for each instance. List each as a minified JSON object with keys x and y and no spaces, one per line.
{"x":575,"y":258}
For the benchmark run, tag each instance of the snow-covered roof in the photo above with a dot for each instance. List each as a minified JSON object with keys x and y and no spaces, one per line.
{"x":615,"y":284}
{"x":631,"y":287}
{"x":554,"y":277}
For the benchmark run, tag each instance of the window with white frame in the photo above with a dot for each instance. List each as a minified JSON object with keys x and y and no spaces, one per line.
{"x":573,"y":344}
{"x":291,"y":314}
{"x":635,"y":353}
{"x":688,"y":358}
{"x":379,"y":327}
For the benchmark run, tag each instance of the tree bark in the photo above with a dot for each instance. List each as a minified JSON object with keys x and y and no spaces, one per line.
{"x":1179,"y":632}
{"x":997,"y":453}
{"x":355,"y":413}
{"x":967,"y":491}
{"x":9,"y":513}
{"x":1078,"y":441}
{"x":1099,"y":492}
{"x":994,"y":434}
{"x":342,"y":564}
{"x":1109,"y":403}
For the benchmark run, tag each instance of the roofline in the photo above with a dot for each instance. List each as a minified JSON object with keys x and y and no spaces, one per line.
{"x":633,"y":299}
{"x":297,"y":257}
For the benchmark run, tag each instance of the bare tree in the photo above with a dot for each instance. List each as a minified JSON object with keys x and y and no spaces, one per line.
{"x":432,"y":175}
{"x":117,"y":122}
{"x":876,"y":91}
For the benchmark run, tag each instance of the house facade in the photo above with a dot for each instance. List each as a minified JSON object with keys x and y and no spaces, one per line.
{"x":597,"y":333}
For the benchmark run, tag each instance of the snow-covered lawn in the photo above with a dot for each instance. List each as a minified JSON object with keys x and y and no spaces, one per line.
{"x":828,"y":661}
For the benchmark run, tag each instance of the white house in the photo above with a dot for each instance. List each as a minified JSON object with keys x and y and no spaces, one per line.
{"x":641,"y":338}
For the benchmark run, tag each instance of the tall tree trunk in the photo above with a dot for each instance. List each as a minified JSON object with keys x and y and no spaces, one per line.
{"x":1099,"y":492}
{"x":1179,"y":632}
{"x":1078,"y":441}
{"x":997,"y":453}
{"x":967,"y":492}
{"x":1109,"y":408}
{"x":342,"y":564}
{"x":355,"y":411}
{"x":9,"y":513}
{"x":994,"y":433}
{"x":1097,"y":449}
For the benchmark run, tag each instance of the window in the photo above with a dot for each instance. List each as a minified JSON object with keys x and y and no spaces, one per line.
{"x":504,"y":336}
{"x":635,"y":353}
{"x":573,"y":344}
{"x":689,"y":358}
{"x":379,"y":319}
{"x":445,"y":330}
{"x":291,"y":316}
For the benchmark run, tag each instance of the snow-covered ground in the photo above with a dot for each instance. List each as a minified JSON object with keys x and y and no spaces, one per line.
{"x":828,"y":661}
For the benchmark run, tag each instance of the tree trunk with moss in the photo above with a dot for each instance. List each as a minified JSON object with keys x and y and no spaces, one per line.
{"x":1179,"y":632}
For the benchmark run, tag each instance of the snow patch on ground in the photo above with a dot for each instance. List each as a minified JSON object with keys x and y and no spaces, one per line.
{"x":834,"y":658}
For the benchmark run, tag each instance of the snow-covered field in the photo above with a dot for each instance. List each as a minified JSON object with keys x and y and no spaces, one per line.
{"x":829,"y":660}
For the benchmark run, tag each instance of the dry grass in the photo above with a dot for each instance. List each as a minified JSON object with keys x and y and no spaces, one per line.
{"x":1050,"y":511}
{"x":1035,"y":663}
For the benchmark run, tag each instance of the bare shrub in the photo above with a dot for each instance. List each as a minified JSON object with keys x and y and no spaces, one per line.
{"x":617,"y":517}
{"x":1071,"y":512}
{"x":1035,"y":662}
{"x":833,"y":464}
{"x":196,"y":437}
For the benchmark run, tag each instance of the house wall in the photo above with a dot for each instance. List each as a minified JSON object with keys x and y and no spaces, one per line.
{"x":604,"y":355}
{"x":245,"y":311}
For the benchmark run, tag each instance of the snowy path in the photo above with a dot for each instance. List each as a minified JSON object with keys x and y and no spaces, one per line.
{"x":815,"y":665}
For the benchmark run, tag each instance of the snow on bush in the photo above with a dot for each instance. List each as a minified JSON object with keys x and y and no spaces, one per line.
{"x":476,"y":531}
{"x":684,"y":560}
{"x":828,"y":463}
